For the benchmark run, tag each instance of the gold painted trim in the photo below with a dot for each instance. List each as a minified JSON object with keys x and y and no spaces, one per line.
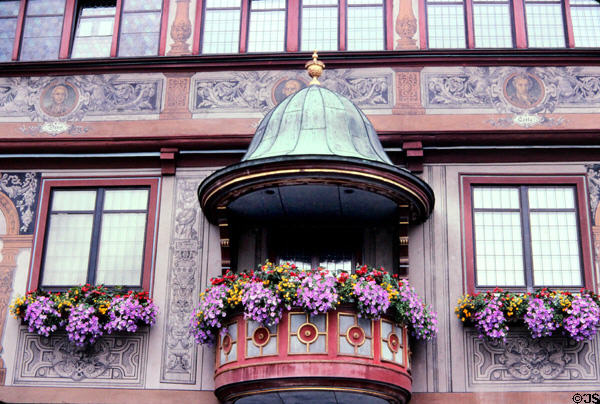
{"x":316,"y":388}
{"x":312,"y":170}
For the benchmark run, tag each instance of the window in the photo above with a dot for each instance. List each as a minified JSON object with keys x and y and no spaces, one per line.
{"x":42,"y":29}
{"x":266,"y":32}
{"x":9,"y":13}
{"x":365,"y":25}
{"x":332,"y":249}
{"x":492,"y":23}
{"x":100,"y":234}
{"x":526,"y":232}
{"x":94,"y":31}
{"x":446,"y":24}
{"x":319,"y":25}
{"x":585,"y":17}
{"x":545,"y":26}
{"x":511,"y":23}
{"x":95,"y":28}
{"x":222,"y":20}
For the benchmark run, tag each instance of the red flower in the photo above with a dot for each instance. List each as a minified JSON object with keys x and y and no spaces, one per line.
{"x":343,"y":277}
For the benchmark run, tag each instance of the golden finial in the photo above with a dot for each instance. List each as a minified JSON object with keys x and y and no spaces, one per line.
{"x":315,"y":68}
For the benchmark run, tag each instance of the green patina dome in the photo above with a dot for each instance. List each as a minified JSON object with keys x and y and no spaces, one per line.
{"x":316,"y":121}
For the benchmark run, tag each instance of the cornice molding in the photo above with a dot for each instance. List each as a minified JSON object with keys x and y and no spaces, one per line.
{"x":465,"y":57}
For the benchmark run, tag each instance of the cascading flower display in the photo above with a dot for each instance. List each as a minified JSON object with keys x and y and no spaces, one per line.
{"x":41,"y":316}
{"x":263,"y":295}
{"x":544,"y":313}
{"x":261,"y":303}
{"x":539,"y":319}
{"x":84,"y":312}
{"x":316,"y":292}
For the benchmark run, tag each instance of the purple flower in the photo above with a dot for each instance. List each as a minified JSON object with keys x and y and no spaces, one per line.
{"x":371,"y":299}
{"x":127,"y":313}
{"x":83,"y":326}
{"x":316,"y":292}
{"x":540,"y":319}
{"x":206,"y":320}
{"x":261,"y":304}
{"x":414,"y":313}
{"x":491,"y":322}
{"x":41,"y":316}
{"x":584,"y":318}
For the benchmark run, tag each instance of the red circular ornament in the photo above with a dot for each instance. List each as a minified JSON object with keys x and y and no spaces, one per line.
{"x":261,"y":336}
{"x":226,"y":343}
{"x":393,"y":342}
{"x":355,"y":335}
{"x":308,"y":333}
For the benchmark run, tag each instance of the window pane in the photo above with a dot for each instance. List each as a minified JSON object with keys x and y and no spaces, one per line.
{"x":545,"y":28}
{"x":498,"y":249}
{"x":446,"y":25}
{"x":42,"y":29}
{"x":120,"y":256}
{"x":93,"y":36}
{"x":496,"y":198}
{"x":221,"y":30}
{"x":126,"y":199}
{"x":320,"y":27}
{"x":267,"y":26}
{"x":9,"y":11}
{"x":140,"y":33}
{"x":73,"y":200}
{"x":585,"y":16}
{"x":555,"y":249}
{"x":137,"y":5}
{"x":492,"y":25}
{"x":365,"y":28}
{"x":67,"y":249}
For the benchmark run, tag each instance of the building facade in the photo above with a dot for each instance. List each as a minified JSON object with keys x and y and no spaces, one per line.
{"x":493,"y":105}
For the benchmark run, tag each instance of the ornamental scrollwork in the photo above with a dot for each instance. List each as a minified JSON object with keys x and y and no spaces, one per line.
{"x":253,"y":91}
{"x":179,"y":352}
{"x":522,"y":359}
{"x":72,"y":98}
{"x":113,"y":361}
{"x":22,"y":189}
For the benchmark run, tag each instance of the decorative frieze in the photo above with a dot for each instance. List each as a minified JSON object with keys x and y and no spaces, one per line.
{"x":22,"y":189}
{"x":259,"y":91}
{"x":74,"y":98}
{"x":112,"y":361}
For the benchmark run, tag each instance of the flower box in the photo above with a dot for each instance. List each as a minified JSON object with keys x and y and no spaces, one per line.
{"x":544,"y":313}
{"x":85,"y":313}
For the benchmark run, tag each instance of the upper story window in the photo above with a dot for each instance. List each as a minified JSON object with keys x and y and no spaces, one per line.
{"x":94,"y":31}
{"x":585,"y":18}
{"x":526,"y":234}
{"x":545,"y":24}
{"x":319,"y":25}
{"x":222,"y":19}
{"x":233,"y":26}
{"x":42,"y":29}
{"x":98,"y":22}
{"x":510,"y":23}
{"x":365,"y":25}
{"x":266,"y":32}
{"x":9,"y":13}
{"x":97,"y":232}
